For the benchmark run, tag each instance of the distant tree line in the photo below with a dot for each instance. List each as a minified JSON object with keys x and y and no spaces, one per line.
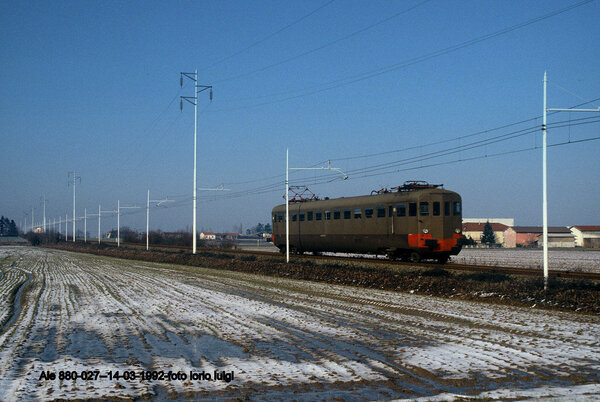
{"x":260,"y":228}
{"x":8,"y":227}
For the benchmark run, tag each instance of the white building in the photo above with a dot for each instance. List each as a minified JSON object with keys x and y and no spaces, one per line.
{"x":208,"y":236}
{"x":586,"y":236}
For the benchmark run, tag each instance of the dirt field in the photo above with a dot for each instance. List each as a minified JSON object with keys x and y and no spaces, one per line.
{"x":280,"y":338}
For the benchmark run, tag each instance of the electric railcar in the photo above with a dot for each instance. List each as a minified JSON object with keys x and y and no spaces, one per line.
{"x":411,"y":222}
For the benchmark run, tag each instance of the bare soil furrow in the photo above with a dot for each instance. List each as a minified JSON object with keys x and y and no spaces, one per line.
{"x":283,"y":339}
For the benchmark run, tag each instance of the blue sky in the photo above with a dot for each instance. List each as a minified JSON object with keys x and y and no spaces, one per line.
{"x":94,"y":87}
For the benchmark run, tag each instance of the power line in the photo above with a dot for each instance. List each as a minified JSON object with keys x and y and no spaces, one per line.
{"x":326,"y":45}
{"x":477,"y":133}
{"x":269,"y":36}
{"x":391,"y":167}
{"x":420,"y":59}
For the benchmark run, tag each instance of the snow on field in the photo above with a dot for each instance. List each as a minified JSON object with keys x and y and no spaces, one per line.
{"x":569,"y":260}
{"x":280,"y":338}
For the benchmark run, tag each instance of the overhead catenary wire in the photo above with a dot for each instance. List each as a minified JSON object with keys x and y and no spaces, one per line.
{"x":416,"y":60}
{"x":487,"y":131}
{"x":324,"y":46}
{"x":267,"y":37}
{"x":393,"y":167}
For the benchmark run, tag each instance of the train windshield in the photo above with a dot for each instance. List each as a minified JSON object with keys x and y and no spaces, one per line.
{"x":457,"y":209}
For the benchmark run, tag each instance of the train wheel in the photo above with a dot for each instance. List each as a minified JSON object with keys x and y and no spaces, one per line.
{"x":443,"y":259}
{"x":415,"y":257}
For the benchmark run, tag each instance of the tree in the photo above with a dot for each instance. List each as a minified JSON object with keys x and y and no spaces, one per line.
{"x":488,"y":234}
{"x":8,"y":227}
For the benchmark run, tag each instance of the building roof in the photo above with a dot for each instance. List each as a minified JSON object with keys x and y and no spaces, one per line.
{"x":208,"y":233}
{"x":540,"y":229}
{"x":588,"y":228}
{"x":478,"y":227}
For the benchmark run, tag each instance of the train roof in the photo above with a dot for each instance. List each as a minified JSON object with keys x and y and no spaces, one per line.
{"x":382,"y":196}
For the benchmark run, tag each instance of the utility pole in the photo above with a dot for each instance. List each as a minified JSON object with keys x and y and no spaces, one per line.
{"x":148,"y":200}
{"x":119,"y":208}
{"x":74,"y":178}
{"x":287,"y":197}
{"x":100,"y":218}
{"x":44,"y":201}
{"x":32,"y":219}
{"x":24,"y":227}
{"x":544,"y":174}
{"x":85,"y":225}
{"x":194,"y":101}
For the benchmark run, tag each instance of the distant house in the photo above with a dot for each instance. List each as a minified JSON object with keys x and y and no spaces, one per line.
{"x":230,"y":236}
{"x":586,"y":236}
{"x":532,"y":236}
{"x":474,"y":230}
{"x":208,"y":236}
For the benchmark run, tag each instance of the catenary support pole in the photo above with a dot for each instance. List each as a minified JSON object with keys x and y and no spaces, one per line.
{"x":287,"y":205}
{"x":148,"y":220}
{"x":195,"y":157}
{"x":545,"y":190}
{"x":74,"y":181}
{"x":287,"y":196}
{"x":197,"y":89}
{"x":44,"y":222}
{"x":85,"y":225}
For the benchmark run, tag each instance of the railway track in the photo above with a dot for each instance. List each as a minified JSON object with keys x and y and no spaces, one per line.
{"x":449,"y":266}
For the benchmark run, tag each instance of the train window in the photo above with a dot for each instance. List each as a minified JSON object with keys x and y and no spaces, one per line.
{"x":294,"y":217}
{"x":381,"y":212}
{"x":357,"y":213}
{"x":318,"y":215}
{"x":347,"y":214}
{"x":368,"y":212}
{"x":390,"y":211}
{"x":412,"y":209}
{"x":327,"y":215}
{"x":447,"y":208}
{"x":309,"y":216}
{"x":436,"y":209}
{"x":301,"y":217}
{"x":336,"y":214}
{"x":424,"y":209}
{"x":279,"y":218}
{"x":456,"y":207}
{"x":401,"y":210}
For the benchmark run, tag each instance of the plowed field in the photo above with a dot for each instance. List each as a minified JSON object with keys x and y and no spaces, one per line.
{"x":280,"y":338}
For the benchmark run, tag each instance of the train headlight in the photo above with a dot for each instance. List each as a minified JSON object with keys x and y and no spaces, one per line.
{"x":457,"y":230}
{"x":425,"y":230}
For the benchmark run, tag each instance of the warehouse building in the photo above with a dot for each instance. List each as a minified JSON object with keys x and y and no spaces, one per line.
{"x":586,"y":236}
{"x":532,"y":236}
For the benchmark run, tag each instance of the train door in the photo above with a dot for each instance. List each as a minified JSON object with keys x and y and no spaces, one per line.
{"x":424,"y":215}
